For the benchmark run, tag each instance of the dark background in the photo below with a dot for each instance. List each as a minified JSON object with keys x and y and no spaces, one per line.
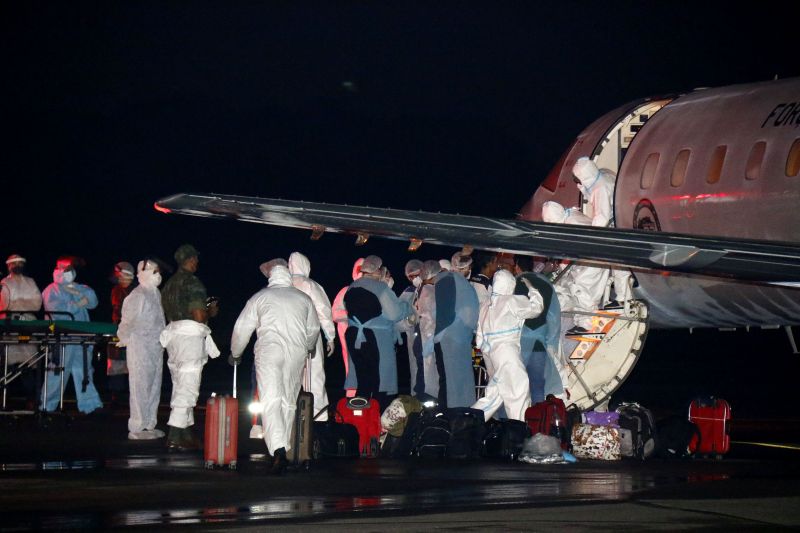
{"x":462,"y":107}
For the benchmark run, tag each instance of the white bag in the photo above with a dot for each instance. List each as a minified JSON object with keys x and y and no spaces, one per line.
{"x":596,"y":442}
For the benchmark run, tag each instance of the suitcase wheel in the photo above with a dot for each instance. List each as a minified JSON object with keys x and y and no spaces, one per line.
{"x":316,"y":449}
{"x":209,"y":465}
{"x":232,"y":466}
{"x":718,"y":457}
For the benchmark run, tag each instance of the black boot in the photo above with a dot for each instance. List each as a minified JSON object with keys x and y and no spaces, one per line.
{"x":175,"y":439}
{"x":190,"y":441}
{"x":279,"y":462}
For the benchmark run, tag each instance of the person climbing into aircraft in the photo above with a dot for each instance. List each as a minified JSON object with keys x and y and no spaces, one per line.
{"x":541,"y":337}
{"x":582,"y":288}
{"x":67,"y":300}
{"x":456,"y":318}
{"x":408,"y":329}
{"x":597,"y":187}
{"x":300,"y":269}
{"x":287,"y":327}
{"x":339,"y":315}
{"x":189,"y":344}
{"x":373,"y":309}
{"x":498,"y":336}
{"x":141,"y":323}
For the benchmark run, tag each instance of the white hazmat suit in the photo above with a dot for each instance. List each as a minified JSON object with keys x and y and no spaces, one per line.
{"x":597,"y":187}
{"x":189,"y":345}
{"x":287,"y":328}
{"x":139,"y":329}
{"x":19,"y":293}
{"x":582,"y":288}
{"x":498,"y":335}
{"x":300,"y":269}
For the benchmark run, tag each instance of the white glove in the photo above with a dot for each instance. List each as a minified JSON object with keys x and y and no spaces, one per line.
{"x":531,"y":289}
{"x":72,"y":290}
{"x":329,"y":348}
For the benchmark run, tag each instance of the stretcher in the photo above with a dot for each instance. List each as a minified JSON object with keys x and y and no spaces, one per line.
{"x":48,"y":339}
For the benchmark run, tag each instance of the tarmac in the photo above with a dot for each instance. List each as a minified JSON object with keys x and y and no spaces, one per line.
{"x":77,"y":472}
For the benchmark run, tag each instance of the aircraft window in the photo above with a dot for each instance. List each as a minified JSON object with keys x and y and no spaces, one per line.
{"x":754,"y":161}
{"x":793,"y":161}
{"x":679,"y":168}
{"x":715,"y":167}
{"x":649,"y":171}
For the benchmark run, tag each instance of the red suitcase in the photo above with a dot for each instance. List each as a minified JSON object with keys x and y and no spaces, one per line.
{"x":549,"y":418}
{"x":712,"y":417}
{"x":222,"y":430}
{"x":365,"y":415}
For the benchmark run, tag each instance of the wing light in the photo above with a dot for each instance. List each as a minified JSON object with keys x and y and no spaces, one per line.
{"x":414,"y":245}
{"x":160,"y":208}
{"x":317,"y":231}
{"x":362,"y":239}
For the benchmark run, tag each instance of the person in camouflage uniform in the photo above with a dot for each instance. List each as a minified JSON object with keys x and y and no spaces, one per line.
{"x":187,"y":339}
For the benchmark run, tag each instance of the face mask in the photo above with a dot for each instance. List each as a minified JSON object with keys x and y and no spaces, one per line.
{"x":16,"y":270}
{"x":416,"y":281}
{"x":68,"y":276}
{"x":148,"y":278}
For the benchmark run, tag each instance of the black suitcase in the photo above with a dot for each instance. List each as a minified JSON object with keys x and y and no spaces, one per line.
{"x":432,"y":435}
{"x":504,"y":439}
{"x":332,"y":439}
{"x":467,"y":429}
{"x":302,"y":437}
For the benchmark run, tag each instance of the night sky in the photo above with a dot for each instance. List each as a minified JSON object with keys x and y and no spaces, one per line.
{"x":463,"y":107}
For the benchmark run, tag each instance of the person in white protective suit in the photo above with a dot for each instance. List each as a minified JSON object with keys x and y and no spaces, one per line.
{"x":19,"y":293}
{"x":189,"y":344}
{"x":300,"y":269}
{"x":139,"y":330}
{"x":409,"y":354}
{"x":582,"y":288}
{"x":287,"y":329}
{"x":597,"y":187}
{"x":339,"y":314}
{"x":498,"y":336}
{"x":66,"y":296}
{"x":426,"y":313}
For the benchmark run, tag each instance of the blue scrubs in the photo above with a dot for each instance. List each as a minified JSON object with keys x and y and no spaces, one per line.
{"x":57,"y":298}
{"x":456,"y":319}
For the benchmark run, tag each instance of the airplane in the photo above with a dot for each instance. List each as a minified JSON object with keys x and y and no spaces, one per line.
{"x":705,"y":207}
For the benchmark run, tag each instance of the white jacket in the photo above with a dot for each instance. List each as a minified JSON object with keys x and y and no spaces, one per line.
{"x":279,"y":314}
{"x":300,"y":268}
{"x":19,"y":293}
{"x":502,"y":316}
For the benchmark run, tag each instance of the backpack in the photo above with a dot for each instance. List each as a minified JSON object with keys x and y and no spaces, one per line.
{"x":675,"y":436}
{"x":641,"y":424}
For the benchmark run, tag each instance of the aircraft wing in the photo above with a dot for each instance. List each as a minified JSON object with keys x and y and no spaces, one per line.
{"x":751,"y":260}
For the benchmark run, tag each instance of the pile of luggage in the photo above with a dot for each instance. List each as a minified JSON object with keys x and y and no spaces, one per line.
{"x":551,"y":432}
{"x":409,"y":429}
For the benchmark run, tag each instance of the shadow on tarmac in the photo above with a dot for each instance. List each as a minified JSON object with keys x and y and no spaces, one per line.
{"x":70,"y":471}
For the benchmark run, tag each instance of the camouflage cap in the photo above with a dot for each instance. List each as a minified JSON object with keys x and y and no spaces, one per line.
{"x":184,"y":252}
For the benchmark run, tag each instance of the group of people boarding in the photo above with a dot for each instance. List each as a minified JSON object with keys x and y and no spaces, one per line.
{"x":421,"y":342}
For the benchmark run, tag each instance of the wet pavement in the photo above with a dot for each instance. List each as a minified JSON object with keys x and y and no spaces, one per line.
{"x":81,"y":472}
